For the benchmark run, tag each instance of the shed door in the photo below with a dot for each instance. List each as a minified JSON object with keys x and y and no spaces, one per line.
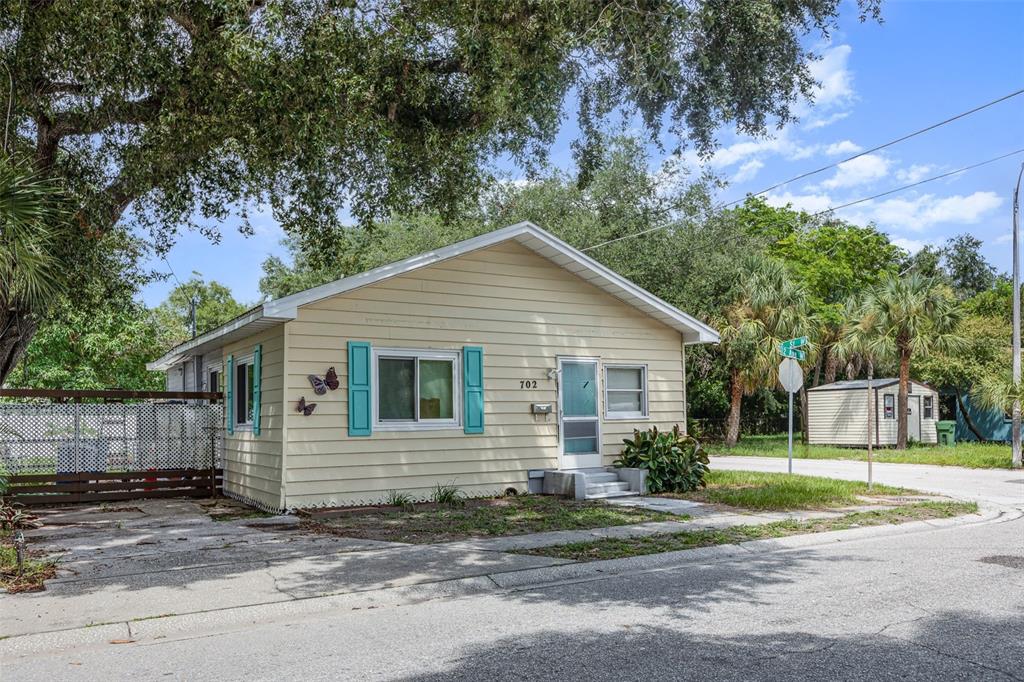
{"x":914,"y":417}
{"x":579,"y":426}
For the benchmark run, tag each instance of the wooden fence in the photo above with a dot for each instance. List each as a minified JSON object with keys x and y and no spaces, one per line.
{"x":114,"y":486}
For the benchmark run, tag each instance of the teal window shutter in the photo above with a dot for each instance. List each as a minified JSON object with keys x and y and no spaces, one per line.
{"x":473,"y":389}
{"x":257,"y":370}
{"x":229,"y":395}
{"x":359,"y":395}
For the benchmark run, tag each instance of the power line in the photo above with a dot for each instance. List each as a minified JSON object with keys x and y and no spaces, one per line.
{"x":920,"y":182}
{"x":830,"y":209}
{"x":883,"y":146}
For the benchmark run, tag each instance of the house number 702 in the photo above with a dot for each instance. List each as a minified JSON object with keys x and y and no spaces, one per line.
{"x":528,"y":383}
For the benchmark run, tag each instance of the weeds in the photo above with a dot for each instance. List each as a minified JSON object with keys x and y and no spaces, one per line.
{"x":400,"y":499}
{"x":448,"y":495}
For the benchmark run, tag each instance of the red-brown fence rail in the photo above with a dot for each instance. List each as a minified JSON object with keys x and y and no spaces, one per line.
{"x":113,"y":486}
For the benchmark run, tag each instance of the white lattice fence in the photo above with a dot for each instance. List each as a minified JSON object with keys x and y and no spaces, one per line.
{"x":63,"y":438}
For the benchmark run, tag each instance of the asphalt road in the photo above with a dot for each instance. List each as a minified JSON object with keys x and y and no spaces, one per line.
{"x":941,"y":604}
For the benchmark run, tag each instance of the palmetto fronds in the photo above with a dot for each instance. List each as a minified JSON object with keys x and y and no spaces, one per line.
{"x":769,"y":309}
{"x":30,"y":215}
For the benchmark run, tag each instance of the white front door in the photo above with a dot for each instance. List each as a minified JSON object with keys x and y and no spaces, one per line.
{"x":914,"y":418}
{"x":579,"y":426}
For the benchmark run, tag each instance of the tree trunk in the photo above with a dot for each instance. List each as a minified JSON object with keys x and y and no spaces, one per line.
{"x":831,"y":366}
{"x":967,"y":418}
{"x":16,"y":330}
{"x":901,"y":400}
{"x":732,"y":433}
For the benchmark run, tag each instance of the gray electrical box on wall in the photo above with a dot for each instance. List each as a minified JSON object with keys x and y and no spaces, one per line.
{"x":541,"y":408}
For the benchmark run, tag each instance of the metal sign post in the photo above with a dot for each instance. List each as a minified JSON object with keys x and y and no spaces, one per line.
{"x":791,"y":376}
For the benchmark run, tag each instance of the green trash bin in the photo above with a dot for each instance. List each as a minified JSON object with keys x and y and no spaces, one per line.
{"x":947,"y":432}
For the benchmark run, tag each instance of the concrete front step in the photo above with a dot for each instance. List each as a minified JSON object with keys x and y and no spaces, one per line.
{"x":601,"y":477}
{"x":617,"y":493}
{"x":609,"y":487}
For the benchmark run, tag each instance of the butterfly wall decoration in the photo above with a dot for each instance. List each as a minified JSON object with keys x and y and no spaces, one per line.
{"x":305,"y":408}
{"x":320,"y":385}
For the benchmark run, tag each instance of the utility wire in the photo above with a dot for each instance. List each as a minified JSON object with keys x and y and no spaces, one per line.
{"x":882,"y":146}
{"x":920,"y":182}
{"x":846,"y":205}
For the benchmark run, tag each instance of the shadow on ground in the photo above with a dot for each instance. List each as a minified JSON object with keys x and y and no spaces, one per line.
{"x":943,"y":646}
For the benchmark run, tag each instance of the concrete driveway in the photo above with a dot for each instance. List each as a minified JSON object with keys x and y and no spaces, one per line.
{"x":1000,"y":487}
{"x":163,"y":557}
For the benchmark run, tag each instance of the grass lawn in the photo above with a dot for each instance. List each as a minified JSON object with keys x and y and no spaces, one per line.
{"x":614,"y":548}
{"x":481,"y":518}
{"x":974,"y":455}
{"x":763,"y":491}
{"x":32,"y":575}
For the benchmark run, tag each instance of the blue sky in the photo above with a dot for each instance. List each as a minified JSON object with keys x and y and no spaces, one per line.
{"x":926,"y":62}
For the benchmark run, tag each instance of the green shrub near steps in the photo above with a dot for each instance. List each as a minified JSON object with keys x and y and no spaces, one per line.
{"x":675,"y":462}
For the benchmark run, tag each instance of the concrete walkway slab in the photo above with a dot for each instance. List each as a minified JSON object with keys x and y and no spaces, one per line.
{"x":131,"y":567}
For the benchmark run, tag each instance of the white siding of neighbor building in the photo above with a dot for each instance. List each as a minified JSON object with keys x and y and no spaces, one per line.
{"x":525,"y":312}
{"x":839,"y":417}
{"x":252,"y":464}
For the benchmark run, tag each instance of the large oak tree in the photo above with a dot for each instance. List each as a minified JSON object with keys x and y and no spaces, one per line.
{"x":182,"y":112}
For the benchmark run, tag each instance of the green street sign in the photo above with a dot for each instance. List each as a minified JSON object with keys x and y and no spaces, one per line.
{"x":793,"y":344}
{"x":793,"y":353}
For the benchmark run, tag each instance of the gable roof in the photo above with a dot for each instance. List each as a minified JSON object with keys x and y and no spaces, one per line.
{"x":529,"y":235}
{"x":863,"y":383}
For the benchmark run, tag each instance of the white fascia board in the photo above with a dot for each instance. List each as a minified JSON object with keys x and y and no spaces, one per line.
{"x":705,"y":334}
{"x":694,"y":331}
{"x":180,"y":351}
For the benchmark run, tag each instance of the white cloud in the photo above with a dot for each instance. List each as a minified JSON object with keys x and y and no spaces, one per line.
{"x":917,"y":171}
{"x":1004,"y":238}
{"x":843,"y":147}
{"x":911,"y":245}
{"x":825,"y":121}
{"x":812,"y":203}
{"x":748,"y":170}
{"x":860,"y":171}
{"x":919,"y":213}
{"x":835,"y":80}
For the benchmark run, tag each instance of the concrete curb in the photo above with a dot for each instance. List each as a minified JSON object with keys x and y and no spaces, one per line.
{"x":240,"y":617}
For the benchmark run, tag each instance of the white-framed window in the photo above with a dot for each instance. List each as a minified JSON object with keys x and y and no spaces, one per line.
{"x":889,"y":406}
{"x":929,"y":409}
{"x":215,"y":378}
{"x":416,"y":389}
{"x":625,"y":391}
{"x":243,"y":390}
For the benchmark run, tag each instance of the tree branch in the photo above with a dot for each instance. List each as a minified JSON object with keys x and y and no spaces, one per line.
{"x":109,"y":112}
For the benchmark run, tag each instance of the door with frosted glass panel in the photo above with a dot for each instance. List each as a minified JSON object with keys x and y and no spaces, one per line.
{"x":579,"y":427}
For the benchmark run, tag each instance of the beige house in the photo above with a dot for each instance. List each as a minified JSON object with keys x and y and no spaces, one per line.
{"x":499,"y":362}
{"x":837,"y":413}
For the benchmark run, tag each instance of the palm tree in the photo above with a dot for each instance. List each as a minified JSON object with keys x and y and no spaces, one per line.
{"x":907,"y":317}
{"x":768,"y":308}
{"x":30,"y":274}
{"x":861,"y":346}
{"x":27,"y":212}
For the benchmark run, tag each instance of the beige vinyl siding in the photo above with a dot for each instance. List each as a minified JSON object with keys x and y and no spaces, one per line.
{"x":525,"y":312}
{"x":252,"y":464}
{"x":839,"y":417}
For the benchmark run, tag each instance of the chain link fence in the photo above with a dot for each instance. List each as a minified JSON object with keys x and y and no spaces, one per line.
{"x":65,"y":438}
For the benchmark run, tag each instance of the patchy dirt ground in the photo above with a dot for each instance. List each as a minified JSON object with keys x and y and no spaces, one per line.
{"x":161,"y":557}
